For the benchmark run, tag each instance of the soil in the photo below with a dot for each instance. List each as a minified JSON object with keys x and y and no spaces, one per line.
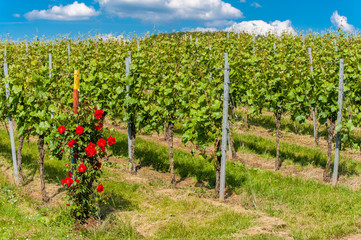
{"x":351,"y":237}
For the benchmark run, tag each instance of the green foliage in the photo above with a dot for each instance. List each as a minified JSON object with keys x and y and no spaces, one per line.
{"x":84,"y":144}
{"x":173,"y":79}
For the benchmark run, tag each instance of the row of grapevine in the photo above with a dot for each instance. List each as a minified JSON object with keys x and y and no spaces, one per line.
{"x":174,"y":78}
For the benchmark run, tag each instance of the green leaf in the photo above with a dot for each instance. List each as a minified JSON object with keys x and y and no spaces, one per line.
{"x":17,"y":89}
{"x":322,"y":99}
{"x":44,"y":126}
{"x":338,"y":127}
{"x":52,"y":108}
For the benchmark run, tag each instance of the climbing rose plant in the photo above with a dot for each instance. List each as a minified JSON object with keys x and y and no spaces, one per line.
{"x":80,"y":139}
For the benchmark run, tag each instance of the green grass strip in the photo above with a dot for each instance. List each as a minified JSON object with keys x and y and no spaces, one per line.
{"x":293,"y":152}
{"x":312,"y":210}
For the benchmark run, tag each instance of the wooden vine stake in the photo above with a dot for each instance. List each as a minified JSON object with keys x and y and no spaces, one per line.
{"x":224,"y":128}
{"x":75,"y":107}
{"x":11,"y":128}
{"x":76,"y":91}
{"x":339,"y":120}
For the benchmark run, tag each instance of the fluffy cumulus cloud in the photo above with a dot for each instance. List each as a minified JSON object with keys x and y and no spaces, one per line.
{"x":74,"y":11}
{"x":161,"y":11}
{"x":260,"y":27}
{"x":201,"y":29}
{"x":341,"y":22}
{"x":110,"y":36}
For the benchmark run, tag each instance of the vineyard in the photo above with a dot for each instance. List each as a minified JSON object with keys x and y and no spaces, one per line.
{"x":286,"y":108}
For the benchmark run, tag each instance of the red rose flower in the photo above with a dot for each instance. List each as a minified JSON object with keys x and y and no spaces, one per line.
{"x":98,"y":114}
{"x":77,"y":181}
{"x":68,"y":181}
{"x":62,"y":150}
{"x":111,"y":140}
{"x":102,"y":142}
{"x":82,"y":168}
{"x":90,"y":150}
{"x":68,"y":204}
{"x":99,"y":165}
{"x":71,"y":143}
{"x":98,"y":126}
{"x":70,"y":174}
{"x":79,"y":130}
{"x":61,"y":129}
{"x":100,"y":188}
{"x":66,"y":165}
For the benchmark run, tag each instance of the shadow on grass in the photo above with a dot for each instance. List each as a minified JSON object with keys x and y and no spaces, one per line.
{"x":30,"y":161}
{"x":295,"y":153}
{"x":151,"y":154}
{"x":268,"y":122}
{"x":55,"y":174}
{"x":115,"y":202}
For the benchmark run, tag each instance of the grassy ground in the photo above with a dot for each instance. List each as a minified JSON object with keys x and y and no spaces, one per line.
{"x":24,"y":218}
{"x":134,"y":209}
{"x":311,"y":210}
{"x":268,"y":122}
{"x":145,"y":206}
{"x":293,"y":152}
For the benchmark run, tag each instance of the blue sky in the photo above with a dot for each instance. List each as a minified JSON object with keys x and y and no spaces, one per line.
{"x":25,"y":18}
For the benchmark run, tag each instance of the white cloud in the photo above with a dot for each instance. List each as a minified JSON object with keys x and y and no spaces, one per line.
{"x":341,"y":22}
{"x":74,"y":11}
{"x":260,"y":27}
{"x":111,"y":37}
{"x":256,"y":5}
{"x":162,"y":11}
{"x":17,"y":15}
{"x":201,"y":29}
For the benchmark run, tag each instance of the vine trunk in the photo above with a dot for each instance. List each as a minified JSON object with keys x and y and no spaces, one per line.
{"x":170,"y":146}
{"x":41,"y":165}
{"x":331,"y":132}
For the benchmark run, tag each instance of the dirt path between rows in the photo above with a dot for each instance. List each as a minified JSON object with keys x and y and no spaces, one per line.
{"x":265,"y":224}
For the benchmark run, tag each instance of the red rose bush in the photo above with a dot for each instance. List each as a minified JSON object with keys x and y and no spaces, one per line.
{"x":81,"y":138}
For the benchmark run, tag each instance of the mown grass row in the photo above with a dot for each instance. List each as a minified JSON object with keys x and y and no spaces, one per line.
{"x":20,"y":220}
{"x":312,"y":210}
{"x":22,"y":217}
{"x":292,"y":152}
{"x":268,"y":122}
{"x":184,"y":218}
{"x":289,"y":152}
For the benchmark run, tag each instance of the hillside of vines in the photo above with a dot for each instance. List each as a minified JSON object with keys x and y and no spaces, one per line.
{"x":284,"y":104}
{"x":175,"y":78}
